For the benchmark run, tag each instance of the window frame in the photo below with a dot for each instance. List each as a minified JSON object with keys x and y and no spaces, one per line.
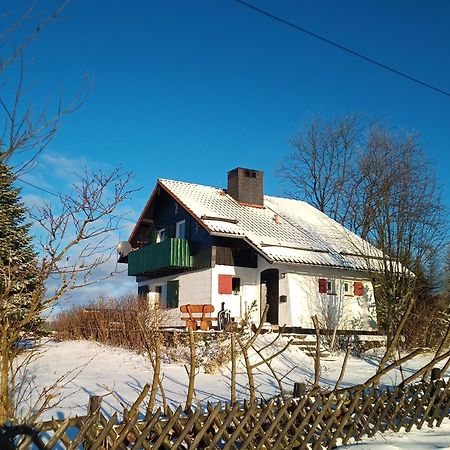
{"x":348,"y":292}
{"x":178,"y":227}
{"x":234,"y":290}
{"x":331,"y":287}
{"x":161,"y":235}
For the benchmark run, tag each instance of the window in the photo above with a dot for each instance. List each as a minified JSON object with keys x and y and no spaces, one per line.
{"x":236,"y":286}
{"x":143,"y":290}
{"x":161,"y":235}
{"x":155,"y":295}
{"x":180,"y":229}
{"x":331,"y":287}
{"x":348,"y":288}
{"x":157,"y":289}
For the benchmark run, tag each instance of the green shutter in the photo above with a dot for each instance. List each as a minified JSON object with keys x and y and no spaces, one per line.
{"x":173,"y":288}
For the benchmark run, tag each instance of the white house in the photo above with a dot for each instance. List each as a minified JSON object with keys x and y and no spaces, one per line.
{"x":197,"y":244}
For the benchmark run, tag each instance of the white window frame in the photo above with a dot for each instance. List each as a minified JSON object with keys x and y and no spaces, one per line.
{"x":331,"y":287}
{"x":349,"y":292}
{"x":177,"y":229}
{"x":161,"y":235}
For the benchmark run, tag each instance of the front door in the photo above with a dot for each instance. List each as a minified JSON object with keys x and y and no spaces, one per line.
{"x":270,"y":294}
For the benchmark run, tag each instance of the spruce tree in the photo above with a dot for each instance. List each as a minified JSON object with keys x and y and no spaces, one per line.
{"x":20,"y":289}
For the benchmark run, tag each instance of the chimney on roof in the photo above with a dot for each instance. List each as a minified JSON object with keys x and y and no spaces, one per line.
{"x":246,"y":186}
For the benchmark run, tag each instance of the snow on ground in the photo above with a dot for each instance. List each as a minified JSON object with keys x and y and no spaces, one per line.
{"x":94,"y":369}
{"x":424,"y":439}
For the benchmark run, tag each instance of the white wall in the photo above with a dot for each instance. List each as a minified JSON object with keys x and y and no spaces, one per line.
{"x":341,"y":310}
{"x":298,"y":283}
{"x":241,"y":304}
{"x":195,"y":288}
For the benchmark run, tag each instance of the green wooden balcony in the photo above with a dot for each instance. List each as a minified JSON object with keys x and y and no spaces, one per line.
{"x":158,"y":259}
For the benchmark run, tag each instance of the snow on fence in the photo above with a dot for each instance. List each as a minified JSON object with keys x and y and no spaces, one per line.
{"x":311,"y":422}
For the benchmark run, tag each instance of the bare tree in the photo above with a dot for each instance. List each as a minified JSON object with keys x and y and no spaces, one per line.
{"x":73,"y":242}
{"x":72,"y":246}
{"x":318,"y":167}
{"x":378,"y":183}
{"x":26,"y":129}
{"x":246,"y":343}
{"x":192,"y":372}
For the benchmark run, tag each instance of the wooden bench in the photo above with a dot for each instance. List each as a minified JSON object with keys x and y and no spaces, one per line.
{"x":198,"y":317}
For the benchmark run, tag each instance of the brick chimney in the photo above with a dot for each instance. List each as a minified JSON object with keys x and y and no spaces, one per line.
{"x":246,"y":186}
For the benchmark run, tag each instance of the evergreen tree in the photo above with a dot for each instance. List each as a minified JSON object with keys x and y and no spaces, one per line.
{"x":20,"y":288}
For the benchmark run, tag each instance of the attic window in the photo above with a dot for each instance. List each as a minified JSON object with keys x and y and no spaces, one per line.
{"x":161,"y":235}
{"x":180,"y":229}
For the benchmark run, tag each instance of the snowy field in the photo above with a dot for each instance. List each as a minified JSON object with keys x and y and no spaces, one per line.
{"x":424,"y":439}
{"x":84,"y":368}
{"x":89,"y":368}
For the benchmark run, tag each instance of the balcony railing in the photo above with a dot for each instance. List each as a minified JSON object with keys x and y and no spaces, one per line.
{"x":168,"y":255}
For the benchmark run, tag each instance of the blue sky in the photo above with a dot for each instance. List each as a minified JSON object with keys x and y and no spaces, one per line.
{"x":190,"y":90}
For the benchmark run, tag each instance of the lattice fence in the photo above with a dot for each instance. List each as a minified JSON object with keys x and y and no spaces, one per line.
{"x":310,"y":422}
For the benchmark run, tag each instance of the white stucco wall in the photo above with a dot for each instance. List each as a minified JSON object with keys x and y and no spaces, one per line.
{"x":346,"y":311}
{"x":298,"y":283}
{"x":241,"y":304}
{"x":194,"y":288}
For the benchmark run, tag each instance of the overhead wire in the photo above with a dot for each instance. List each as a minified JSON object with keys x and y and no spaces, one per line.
{"x":343,"y":48}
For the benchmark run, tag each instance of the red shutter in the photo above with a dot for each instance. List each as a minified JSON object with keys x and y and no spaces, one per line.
{"x":323,"y":286}
{"x":358,"y":288}
{"x":225,"y":284}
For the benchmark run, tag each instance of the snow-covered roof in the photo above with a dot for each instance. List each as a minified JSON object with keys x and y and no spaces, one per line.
{"x":284,"y":230}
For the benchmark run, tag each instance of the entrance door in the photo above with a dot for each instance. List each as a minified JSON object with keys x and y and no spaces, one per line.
{"x":270,"y":294}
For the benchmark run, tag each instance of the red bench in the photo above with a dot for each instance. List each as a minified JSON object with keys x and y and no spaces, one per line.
{"x":199,"y":316}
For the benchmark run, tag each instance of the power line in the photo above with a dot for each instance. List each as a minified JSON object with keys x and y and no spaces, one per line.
{"x":58,"y":196}
{"x":37,"y":187}
{"x":343,"y":48}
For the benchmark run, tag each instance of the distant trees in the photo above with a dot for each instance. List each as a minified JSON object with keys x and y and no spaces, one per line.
{"x":377,"y":182}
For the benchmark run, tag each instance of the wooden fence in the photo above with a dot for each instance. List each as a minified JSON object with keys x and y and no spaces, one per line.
{"x":310,"y":422}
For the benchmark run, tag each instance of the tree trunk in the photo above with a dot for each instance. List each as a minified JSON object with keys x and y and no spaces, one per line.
{"x":233,"y":368}
{"x":4,"y":389}
{"x":192,"y":367}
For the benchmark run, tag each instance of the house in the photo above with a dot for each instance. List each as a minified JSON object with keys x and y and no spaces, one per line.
{"x":197,"y":244}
